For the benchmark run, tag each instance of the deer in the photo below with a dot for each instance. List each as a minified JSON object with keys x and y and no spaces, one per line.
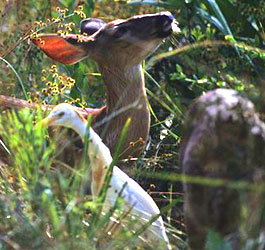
{"x":223,"y":139}
{"x":118,"y":47}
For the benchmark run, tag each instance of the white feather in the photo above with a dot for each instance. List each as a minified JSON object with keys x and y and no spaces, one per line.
{"x":134,"y":196}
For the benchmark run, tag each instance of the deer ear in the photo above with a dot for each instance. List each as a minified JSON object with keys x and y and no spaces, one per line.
{"x":61,"y":49}
{"x":91,"y":25}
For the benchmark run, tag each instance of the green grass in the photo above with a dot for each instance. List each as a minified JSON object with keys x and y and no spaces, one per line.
{"x":45,"y":207}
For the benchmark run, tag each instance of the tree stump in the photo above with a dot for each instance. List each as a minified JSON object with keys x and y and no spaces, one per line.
{"x":223,"y":139}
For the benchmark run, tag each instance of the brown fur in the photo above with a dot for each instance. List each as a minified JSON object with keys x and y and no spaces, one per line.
{"x":98,"y":177}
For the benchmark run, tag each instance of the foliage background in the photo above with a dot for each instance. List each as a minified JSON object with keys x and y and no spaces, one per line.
{"x":173,"y":82}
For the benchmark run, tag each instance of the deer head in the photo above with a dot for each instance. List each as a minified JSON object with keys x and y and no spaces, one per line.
{"x":122,"y":42}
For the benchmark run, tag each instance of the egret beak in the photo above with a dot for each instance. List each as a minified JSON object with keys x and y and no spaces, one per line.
{"x":47,"y":121}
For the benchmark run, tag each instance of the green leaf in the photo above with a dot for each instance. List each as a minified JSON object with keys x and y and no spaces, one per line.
{"x":220,"y":16}
{"x":212,"y":19}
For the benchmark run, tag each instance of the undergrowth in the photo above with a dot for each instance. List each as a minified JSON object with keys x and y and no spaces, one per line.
{"x":44,"y":206}
{"x":42,"y":202}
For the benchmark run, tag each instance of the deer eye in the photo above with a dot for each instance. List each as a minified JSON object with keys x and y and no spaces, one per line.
{"x":120,"y":32}
{"x":61,"y":114}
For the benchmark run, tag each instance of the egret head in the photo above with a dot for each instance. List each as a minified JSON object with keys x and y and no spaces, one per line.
{"x":64,"y":115}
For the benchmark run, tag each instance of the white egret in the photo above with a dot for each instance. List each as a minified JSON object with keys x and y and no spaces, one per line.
{"x":134,"y":197}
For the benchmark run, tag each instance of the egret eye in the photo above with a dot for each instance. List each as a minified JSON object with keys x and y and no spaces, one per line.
{"x":61,"y":114}
{"x":120,"y":32}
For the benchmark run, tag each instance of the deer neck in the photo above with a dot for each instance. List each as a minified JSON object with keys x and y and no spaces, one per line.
{"x":126,"y":98}
{"x":125,"y":87}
